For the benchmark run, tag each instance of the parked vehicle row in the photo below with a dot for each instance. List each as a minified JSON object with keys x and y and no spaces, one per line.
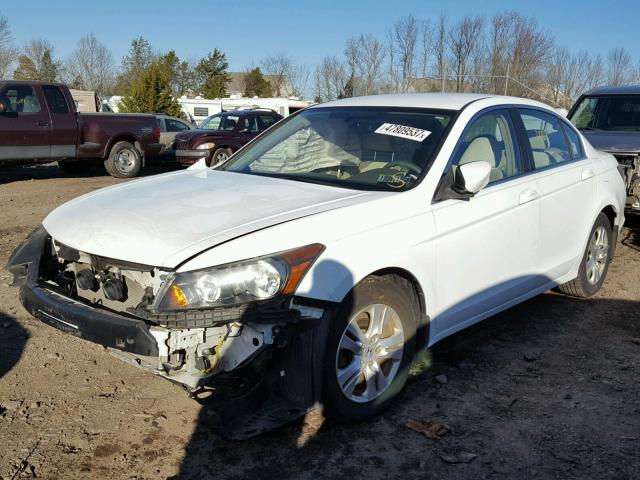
{"x":312,"y":265}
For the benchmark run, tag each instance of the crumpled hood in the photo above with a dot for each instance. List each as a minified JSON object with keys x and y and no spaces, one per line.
{"x":166,"y":219}
{"x":614,"y":141}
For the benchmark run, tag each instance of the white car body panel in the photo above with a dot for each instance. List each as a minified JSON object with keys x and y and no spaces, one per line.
{"x":471,"y":259}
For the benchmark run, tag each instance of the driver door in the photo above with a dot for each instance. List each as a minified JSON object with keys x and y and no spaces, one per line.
{"x":486,"y":246}
{"x":25,"y":125}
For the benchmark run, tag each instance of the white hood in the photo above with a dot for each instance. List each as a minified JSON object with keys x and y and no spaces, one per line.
{"x":166,"y":219}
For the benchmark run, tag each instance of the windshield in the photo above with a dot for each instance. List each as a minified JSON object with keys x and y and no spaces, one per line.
{"x":365,"y":148}
{"x":220,"y":122}
{"x":616,"y":112}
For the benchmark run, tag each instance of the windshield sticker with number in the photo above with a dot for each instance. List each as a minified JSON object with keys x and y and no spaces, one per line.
{"x":402,"y":131}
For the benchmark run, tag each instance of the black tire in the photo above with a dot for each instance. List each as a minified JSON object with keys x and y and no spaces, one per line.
{"x":220,"y":155}
{"x":582,"y":286}
{"x":74,"y":167}
{"x":373,"y":290}
{"x":117,"y":166}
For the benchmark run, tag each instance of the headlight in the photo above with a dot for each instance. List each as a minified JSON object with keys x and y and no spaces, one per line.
{"x":257,"y":279}
{"x":206,"y":146}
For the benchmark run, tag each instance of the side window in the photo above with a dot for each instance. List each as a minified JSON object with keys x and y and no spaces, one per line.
{"x":490,"y":138}
{"x":546,"y":138}
{"x":574,"y":142}
{"x":266,"y":121}
{"x":250,"y":124}
{"x":174,"y":125}
{"x":55,"y":99}
{"x":20,"y":99}
{"x":585,"y":114}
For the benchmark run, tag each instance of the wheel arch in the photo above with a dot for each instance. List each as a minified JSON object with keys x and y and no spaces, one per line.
{"x":125,"y":137}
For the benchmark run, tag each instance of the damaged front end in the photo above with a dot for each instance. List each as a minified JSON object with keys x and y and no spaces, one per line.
{"x":629,"y":166}
{"x":271,"y":349}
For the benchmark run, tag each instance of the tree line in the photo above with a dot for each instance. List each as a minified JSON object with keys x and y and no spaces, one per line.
{"x":508,"y":53}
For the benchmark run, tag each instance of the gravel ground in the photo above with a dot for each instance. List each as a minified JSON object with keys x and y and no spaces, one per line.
{"x":548,"y":389}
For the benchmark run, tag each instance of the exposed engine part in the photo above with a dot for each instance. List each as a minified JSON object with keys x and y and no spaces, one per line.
{"x":630,"y":163}
{"x":87,"y":280}
{"x":192,"y":356}
{"x":114,"y":289}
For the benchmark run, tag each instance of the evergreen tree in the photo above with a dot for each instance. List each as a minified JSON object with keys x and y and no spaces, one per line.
{"x":26,"y":69}
{"x":151,"y":91}
{"x":137,"y":61}
{"x":255,"y":85}
{"x":49,"y":68}
{"x":212,"y":75}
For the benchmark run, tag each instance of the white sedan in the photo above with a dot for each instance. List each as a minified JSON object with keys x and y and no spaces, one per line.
{"x":314,"y":263}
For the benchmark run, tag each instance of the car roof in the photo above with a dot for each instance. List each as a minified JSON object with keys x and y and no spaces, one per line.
{"x":622,"y":90}
{"x":437,"y":101}
{"x":31,"y":82}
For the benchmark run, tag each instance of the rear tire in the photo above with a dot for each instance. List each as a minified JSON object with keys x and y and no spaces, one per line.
{"x":366,"y":366}
{"x":124,"y":161}
{"x":595,"y":261}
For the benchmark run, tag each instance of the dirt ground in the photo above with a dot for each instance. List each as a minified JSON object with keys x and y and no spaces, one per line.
{"x":548,"y":389}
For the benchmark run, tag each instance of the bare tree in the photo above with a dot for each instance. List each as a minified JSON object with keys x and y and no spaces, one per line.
{"x":463,"y":39}
{"x":8,"y":53}
{"x":619,"y":66}
{"x":331,"y":77}
{"x":439,"y":51}
{"x":404,"y":34}
{"x":298,"y":75}
{"x":90,"y":66}
{"x":364,"y":56}
{"x":278,"y":66}
{"x":426,"y":39}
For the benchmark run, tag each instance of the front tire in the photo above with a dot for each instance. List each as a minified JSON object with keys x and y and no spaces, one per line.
{"x":220,"y":155}
{"x":595,"y":261}
{"x":124,"y":161}
{"x":369,"y":350}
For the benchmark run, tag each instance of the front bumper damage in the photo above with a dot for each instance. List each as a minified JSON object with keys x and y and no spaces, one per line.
{"x":260,"y":365}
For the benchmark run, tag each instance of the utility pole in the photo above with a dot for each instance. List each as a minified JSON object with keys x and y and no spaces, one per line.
{"x":506,"y":79}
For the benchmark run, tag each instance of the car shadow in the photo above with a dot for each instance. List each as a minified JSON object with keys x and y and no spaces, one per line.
{"x":13,"y":338}
{"x":500,"y":352}
{"x":631,"y":236}
{"x":48,"y":171}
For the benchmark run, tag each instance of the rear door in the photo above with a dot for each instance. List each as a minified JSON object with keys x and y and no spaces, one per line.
{"x":486,"y":246}
{"x":25,"y":125}
{"x":567,"y":187}
{"x":64,"y":124}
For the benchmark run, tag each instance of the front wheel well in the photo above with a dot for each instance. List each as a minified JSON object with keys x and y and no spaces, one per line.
{"x":611,"y":214}
{"x":409,"y":283}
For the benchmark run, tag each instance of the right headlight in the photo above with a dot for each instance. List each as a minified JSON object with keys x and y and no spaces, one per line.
{"x":236,"y":283}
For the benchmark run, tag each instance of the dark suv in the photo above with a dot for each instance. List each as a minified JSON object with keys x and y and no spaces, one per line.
{"x":220,"y":135}
{"x":609,"y":117}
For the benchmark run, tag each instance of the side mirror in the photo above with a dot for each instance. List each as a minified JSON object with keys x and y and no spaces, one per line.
{"x":472,"y":177}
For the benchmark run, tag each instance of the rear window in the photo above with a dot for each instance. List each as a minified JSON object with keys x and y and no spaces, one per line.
{"x":55,"y":99}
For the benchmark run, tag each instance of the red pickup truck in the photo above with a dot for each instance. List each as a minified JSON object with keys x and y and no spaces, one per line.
{"x":39,"y":122}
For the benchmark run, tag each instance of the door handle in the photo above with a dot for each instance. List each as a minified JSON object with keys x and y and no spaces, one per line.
{"x":587,"y":174}
{"x":42,"y":124}
{"x":528,"y":196}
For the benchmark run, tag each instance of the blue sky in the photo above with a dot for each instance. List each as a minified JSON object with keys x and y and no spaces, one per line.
{"x":248,"y":30}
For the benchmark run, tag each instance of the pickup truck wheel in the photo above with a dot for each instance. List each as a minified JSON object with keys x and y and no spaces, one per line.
{"x":370,"y":347}
{"x":124,"y":161}
{"x":595,"y":261}
{"x":220,"y":155}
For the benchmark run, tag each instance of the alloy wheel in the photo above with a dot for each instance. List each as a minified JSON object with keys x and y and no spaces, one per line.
{"x":369,"y":353}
